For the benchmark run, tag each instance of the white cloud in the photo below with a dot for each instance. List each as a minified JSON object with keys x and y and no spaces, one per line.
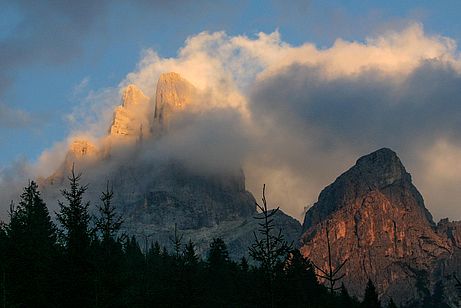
{"x":81,"y":86}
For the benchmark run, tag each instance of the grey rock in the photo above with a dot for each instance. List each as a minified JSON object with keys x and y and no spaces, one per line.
{"x":156,"y":194}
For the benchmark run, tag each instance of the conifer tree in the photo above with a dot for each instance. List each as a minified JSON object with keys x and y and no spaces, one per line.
{"x":135,"y":274}
{"x":108,"y":222}
{"x":190,"y":282}
{"x":154,"y":273}
{"x":155,"y":251}
{"x":74,"y":217}
{"x":76,"y":235}
{"x":438,"y":297}
{"x":190,"y":256}
{"x":344,"y":297}
{"x":219,"y":277}
{"x":3,"y":254}
{"x":108,"y":250}
{"x":391,"y":304}
{"x":244,"y":264}
{"x":218,"y":256}
{"x":32,"y":250}
{"x":370,"y":299}
{"x":299,"y":284}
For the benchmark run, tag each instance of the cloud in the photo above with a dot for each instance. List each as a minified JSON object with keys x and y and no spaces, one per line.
{"x":14,"y":118}
{"x":295,"y":117}
{"x":81,"y":86}
{"x":328,"y":123}
{"x":314,"y":111}
{"x":55,"y":33}
{"x":46,"y":32}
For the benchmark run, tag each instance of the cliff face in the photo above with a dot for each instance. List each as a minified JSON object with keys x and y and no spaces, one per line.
{"x":81,"y":152}
{"x":131,"y":119}
{"x":452,"y":230}
{"x":378,"y":222}
{"x":379,"y":171}
{"x":173,"y":95}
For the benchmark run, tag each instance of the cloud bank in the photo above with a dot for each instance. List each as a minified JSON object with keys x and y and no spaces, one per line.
{"x":295,"y":117}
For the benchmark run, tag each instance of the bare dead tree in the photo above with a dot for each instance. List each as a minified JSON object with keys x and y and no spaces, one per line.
{"x":271,"y":246}
{"x":330,"y":274}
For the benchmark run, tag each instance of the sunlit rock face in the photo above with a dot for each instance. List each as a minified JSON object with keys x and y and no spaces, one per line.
{"x":82,"y":152}
{"x":173,"y":95}
{"x":81,"y":149}
{"x":378,"y":222}
{"x":131,"y":119}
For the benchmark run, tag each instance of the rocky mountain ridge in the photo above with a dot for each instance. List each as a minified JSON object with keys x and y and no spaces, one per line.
{"x":377,"y":221}
{"x":155,"y":194}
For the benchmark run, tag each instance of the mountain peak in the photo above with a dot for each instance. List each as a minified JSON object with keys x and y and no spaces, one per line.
{"x":377,"y":222}
{"x":133,"y":95}
{"x":169,"y":77}
{"x":173,"y":94}
{"x":132,"y":115}
{"x":382,"y":155}
{"x":380,"y":168}
{"x":380,"y":171}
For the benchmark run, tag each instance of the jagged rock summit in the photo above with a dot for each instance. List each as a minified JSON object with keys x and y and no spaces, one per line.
{"x":377,"y":221}
{"x":380,"y":171}
{"x":156,"y":193}
{"x":173,"y":95}
{"x":131,"y":118}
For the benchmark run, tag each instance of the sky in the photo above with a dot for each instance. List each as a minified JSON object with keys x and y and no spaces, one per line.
{"x":325,"y":82}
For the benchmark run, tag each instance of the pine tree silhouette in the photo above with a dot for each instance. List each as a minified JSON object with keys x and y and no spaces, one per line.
{"x":74,"y":217}
{"x":370,"y":300}
{"x":244,"y":264}
{"x":76,"y":236}
{"x":32,"y":251}
{"x":134,"y":274}
{"x":191,"y":284}
{"x":104,"y":271}
{"x":298,"y":285}
{"x":3,"y":254}
{"x":107,"y":252}
{"x":438,"y":296}
{"x":190,"y":256}
{"x":218,"y":255}
{"x":344,"y":298}
{"x":391,"y":304}
{"x":108,"y":222}
{"x":219,"y":274}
